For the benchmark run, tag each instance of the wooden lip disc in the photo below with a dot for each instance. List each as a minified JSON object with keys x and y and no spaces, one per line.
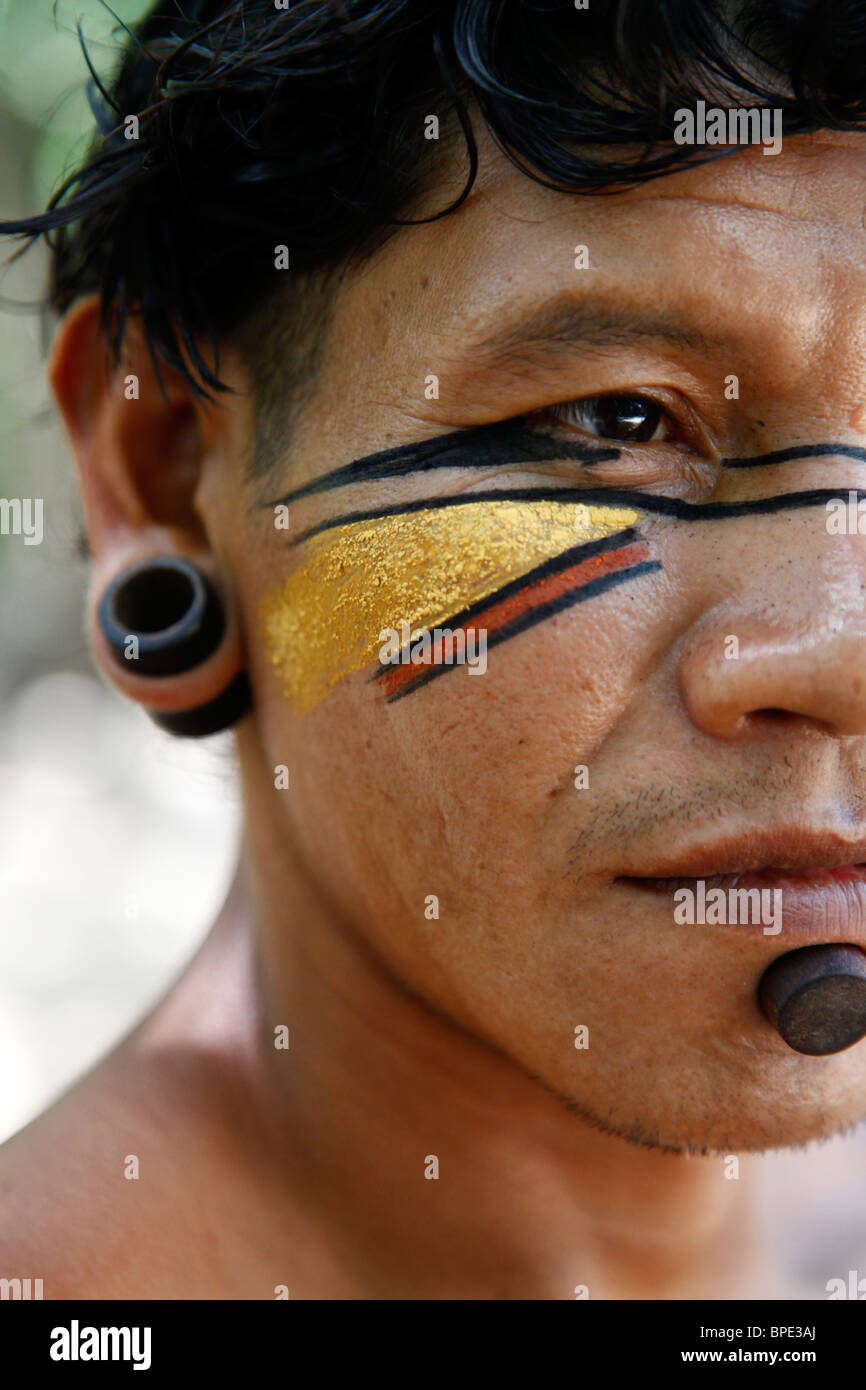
{"x":815,"y":998}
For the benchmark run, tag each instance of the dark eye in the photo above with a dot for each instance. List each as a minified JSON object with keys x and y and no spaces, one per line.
{"x":629,"y":419}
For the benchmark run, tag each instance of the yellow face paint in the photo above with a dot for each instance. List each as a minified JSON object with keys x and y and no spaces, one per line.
{"x":325,"y":620}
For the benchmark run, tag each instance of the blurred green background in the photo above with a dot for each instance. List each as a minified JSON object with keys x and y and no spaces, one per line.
{"x":45,"y":125}
{"x":116,"y":842}
{"x":42,"y":72}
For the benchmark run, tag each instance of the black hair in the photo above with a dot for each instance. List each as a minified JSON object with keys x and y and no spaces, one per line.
{"x":306,"y":127}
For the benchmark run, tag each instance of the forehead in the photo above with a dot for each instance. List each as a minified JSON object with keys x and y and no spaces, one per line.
{"x":752,"y":264}
{"x":782,"y":236}
{"x":815,"y":186}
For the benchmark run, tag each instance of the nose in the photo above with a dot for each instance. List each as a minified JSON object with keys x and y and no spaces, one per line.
{"x":792,"y":647}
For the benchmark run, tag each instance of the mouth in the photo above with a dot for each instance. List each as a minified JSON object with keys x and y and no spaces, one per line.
{"x":770,"y":876}
{"x":810,"y":886}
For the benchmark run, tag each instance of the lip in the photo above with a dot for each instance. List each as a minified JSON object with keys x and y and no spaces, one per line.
{"x":821,"y":877}
{"x":773,"y":876}
{"x":759,"y":850}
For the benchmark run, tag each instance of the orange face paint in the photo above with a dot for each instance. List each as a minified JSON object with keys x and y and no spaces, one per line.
{"x":421,"y":567}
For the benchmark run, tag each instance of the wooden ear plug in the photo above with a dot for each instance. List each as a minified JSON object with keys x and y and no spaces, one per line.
{"x":815,"y":998}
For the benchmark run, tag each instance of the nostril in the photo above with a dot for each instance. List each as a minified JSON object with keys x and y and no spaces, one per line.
{"x":772,"y":716}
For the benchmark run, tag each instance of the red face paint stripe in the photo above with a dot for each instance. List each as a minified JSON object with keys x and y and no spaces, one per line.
{"x":538,"y":592}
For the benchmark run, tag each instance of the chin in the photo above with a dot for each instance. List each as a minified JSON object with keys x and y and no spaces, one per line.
{"x":738,"y":1119}
{"x":787,"y":1121}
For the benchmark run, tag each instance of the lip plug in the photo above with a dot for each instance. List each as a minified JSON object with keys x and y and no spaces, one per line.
{"x":815,"y":998}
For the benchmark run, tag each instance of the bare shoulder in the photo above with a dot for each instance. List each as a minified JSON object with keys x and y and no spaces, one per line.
{"x":72,"y":1204}
{"x":56,"y":1178}
{"x":150,"y":1178}
{"x":119,"y":1190}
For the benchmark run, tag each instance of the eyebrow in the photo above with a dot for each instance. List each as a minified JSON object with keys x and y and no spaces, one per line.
{"x":561,"y":323}
{"x":577,"y":325}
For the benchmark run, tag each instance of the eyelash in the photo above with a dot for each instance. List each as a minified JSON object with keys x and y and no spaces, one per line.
{"x":557,"y":414}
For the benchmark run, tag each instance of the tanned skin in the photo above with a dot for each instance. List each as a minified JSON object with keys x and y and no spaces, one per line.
{"x":559,"y":1168}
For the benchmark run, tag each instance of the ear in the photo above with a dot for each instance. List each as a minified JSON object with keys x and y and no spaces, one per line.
{"x":139,"y":455}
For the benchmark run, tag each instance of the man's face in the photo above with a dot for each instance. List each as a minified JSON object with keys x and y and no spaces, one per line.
{"x":733,"y":296}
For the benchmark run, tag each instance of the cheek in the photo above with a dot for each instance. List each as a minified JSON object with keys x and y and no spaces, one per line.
{"x":442,"y":824}
{"x":466,"y":788}
{"x":496,"y":567}
{"x":462,"y":786}
{"x":463,"y":792}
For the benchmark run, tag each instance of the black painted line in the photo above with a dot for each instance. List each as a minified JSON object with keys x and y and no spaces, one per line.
{"x":801,"y":451}
{"x":574,"y":555}
{"x":638,"y":502}
{"x":538,"y":615}
{"x":507,"y":442}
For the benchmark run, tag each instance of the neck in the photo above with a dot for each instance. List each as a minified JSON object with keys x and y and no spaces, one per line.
{"x":397,"y":1119}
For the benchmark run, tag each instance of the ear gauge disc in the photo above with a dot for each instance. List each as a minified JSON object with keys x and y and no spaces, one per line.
{"x":218,"y":714}
{"x":815,"y":998}
{"x":168,"y":608}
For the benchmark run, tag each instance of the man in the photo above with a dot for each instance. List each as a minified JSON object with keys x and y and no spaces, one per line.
{"x":506,"y":359}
